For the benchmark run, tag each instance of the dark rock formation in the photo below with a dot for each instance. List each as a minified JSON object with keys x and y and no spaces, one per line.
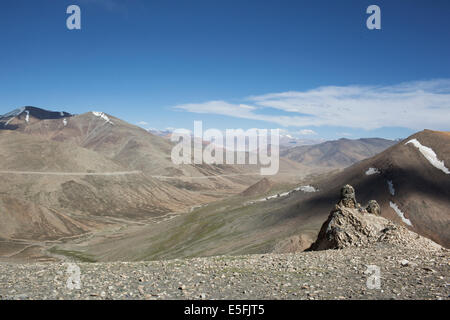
{"x":348,"y":198}
{"x":373,"y":207}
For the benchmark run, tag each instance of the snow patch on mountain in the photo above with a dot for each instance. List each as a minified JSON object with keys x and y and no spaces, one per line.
{"x":430,"y":155}
{"x":400,"y":213}
{"x":13,"y":113}
{"x":306,"y":189}
{"x":391,"y":187}
{"x":102,"y":115}
{"x":371,"y":171}
{"x":7,"y":122}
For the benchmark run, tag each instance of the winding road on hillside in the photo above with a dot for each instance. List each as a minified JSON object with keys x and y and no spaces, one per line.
{"x":116,"y":173}
{"x":119,"y":173}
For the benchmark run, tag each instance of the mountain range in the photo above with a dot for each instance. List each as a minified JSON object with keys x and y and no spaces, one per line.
{"x":98,"y":186}
{"x":338,"y":153}
{"x":410,"y":190}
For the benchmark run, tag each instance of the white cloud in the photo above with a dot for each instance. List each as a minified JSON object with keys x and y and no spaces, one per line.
{"x":306,"y":132}
{"x":142,"y":123}
{"x":238,"y":111}
{"x":414,"y":105}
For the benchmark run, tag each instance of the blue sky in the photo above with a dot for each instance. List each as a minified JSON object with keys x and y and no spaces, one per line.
{"x":311,"y":68}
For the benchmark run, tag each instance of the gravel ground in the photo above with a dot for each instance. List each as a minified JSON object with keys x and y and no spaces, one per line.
{"x":331,"y":274}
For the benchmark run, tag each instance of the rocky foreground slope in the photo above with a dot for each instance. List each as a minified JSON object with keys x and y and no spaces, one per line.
{"x":331,"y":274}
{"x":407,"y":265}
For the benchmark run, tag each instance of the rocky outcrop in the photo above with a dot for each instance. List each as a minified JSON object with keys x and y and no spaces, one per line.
{"x":350,"y":225}
{"x":373,"y":207}
{"x":348,"y":198}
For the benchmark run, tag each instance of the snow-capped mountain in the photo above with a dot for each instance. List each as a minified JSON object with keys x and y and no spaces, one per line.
{"x":27,"y":115}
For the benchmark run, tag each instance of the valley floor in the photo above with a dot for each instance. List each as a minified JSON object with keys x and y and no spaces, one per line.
{"x":331,"y":274}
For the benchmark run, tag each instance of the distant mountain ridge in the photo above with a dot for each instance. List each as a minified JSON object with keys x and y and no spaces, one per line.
{"x":286,"y":141}
{"x":337,"y":153}
{"x":37,"y":113}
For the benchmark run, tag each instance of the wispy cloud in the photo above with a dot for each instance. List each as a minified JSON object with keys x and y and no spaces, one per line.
{"x":414,"y":105}
{"x":238,"y":111}
{"x":307,"y":132}
{"x":142,"y":123}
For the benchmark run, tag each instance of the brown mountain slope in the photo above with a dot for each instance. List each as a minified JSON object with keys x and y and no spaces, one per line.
{"x":25,"y":152}
{"x":129,"y":146}
{"x":262,"y":186}
{"x":337,"y":154}
{"x":51,"y":190}
{"x":64,"y":175}
{"x":136,"y":149}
